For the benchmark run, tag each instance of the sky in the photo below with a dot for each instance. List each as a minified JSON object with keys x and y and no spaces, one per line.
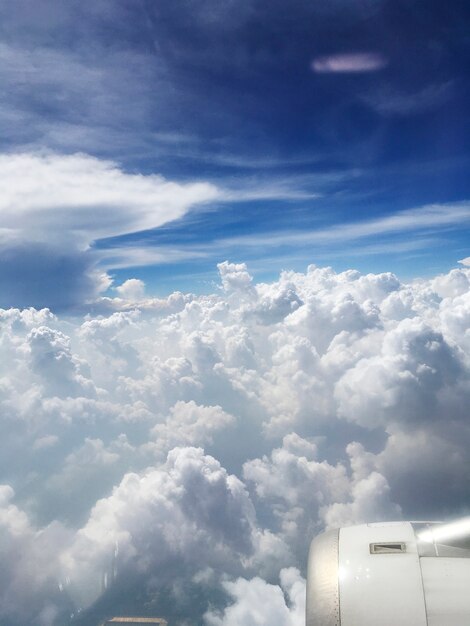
{"x":234,"y":296}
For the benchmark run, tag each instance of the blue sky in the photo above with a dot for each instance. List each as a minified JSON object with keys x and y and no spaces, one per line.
{"x":308,"y":119}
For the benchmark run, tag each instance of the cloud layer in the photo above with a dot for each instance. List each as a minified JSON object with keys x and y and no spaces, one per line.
{"x":210,"y":437}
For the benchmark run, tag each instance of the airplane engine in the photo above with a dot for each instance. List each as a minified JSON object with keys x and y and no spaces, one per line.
{"x":390,"y":574}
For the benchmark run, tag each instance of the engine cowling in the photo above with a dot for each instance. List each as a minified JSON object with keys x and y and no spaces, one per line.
{"x":390,"y":574}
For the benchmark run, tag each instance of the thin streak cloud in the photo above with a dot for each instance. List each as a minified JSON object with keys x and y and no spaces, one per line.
{"x":429,"y":217}
{"x":349,"y":63}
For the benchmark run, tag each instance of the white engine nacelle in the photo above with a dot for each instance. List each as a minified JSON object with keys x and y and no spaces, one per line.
{"x":390,"y":574}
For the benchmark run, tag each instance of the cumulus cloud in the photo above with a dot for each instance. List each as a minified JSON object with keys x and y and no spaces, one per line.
{"x":60,"y":372}
{"x":131,"y":289}
{"x":409,"y":380}
{"x":29,"y":566}
{"x":189,"y":424}
{"x":235,"y":277}
{"x":369,"y":494}
{"x":258,"y":603}
{"x":212,"y":436}
{"x":190,"y":510}
{"x":306,"y":493}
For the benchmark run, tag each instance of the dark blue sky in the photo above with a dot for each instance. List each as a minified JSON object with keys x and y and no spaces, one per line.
{"x":308,"y":116}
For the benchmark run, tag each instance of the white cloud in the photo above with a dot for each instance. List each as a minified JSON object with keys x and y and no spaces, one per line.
{"x":54,"y":207}
{"x":189,"y":425}
{"x":455,"y":283}
{"x":29,"y":564}
{"x":354,"y":62}
{"x":316,"y":397}
{"x":59,"y":371}
{"x":257,"y":603}
{"x":409,"y":381}
{"x":414,"y":454}
{"x":189,"y":511}
{"x":369,"y":494}
{"x":131,"y":289}
{"x":234,"y":276}
{"x":305,"y":492}
{"x":83,"y":198}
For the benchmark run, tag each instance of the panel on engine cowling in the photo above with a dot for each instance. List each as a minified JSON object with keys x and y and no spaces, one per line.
{"x":322,"y":608}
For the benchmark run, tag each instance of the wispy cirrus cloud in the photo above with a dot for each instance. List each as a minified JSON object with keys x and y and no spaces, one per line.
{"x":354,"y":62}
{"x":430,"y":218}
{"x":394,"y":102}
